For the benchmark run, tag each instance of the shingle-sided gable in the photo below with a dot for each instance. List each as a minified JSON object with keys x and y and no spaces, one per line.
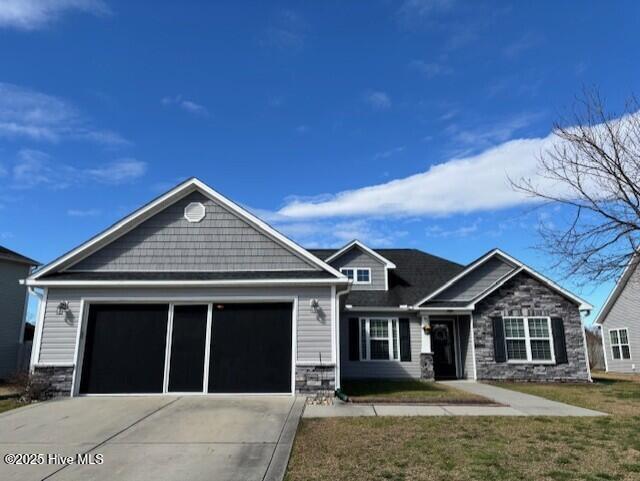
{"x":221,"y":241}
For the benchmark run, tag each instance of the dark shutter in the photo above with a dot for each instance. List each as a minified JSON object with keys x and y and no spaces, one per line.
{"x":559,"y":342}
{"x":354,"y":339}
{"x":405,"y":340}
{"x":499,"y":351}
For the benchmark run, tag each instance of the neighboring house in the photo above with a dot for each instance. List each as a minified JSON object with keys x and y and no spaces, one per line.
{"x":191,"y":293}
{"x":13,"y":307}
{"x":619,"y":321}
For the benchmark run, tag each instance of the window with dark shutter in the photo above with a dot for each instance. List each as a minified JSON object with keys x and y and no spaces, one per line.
{"x":405,"y":340}
{"x":559,"y":341}
{"x":354,"y":339}
{"x":499,"y":351}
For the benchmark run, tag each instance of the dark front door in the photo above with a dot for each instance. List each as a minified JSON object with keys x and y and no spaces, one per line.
{"x":250,"y":348}
{"x":442,"y":345}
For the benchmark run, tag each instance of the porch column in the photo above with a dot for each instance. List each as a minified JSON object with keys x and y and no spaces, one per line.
{"x":426,"y":355}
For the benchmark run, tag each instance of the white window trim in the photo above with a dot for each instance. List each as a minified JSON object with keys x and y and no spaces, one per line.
{"x":367,"y":323}
{"x":620,"y":344}
{"x":355,"y":273}
{"x":528,"y":340}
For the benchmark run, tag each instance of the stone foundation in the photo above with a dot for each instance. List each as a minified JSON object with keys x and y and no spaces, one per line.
{"x":316,"y":380}
{"x":49,"y":382}
{"x":426,"y":367}
{"x":525,"y":296}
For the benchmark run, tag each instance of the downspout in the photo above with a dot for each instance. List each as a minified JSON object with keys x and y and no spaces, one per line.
{"x":35,"y":342}
{"x":337,"y":321}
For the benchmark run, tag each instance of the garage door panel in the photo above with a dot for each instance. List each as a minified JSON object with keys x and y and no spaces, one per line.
{"x":251,"y":348}
{"x":188,"y":340}
{"x":124,"y":349}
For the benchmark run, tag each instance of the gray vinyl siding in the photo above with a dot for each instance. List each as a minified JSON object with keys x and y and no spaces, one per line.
{"x":380,"y":369}
{"x":59,"y":333}
{"x":625,"y":313}
{"x":168,"y":242}
{"x":356,"y":257}
{"x":477,"y":281}
{"x":12,"y":304}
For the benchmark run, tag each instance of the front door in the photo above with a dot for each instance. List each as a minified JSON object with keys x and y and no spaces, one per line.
{"x":444,"y":354}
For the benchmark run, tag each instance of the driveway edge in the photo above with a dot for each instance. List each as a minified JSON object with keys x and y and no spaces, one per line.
{"x":280,"y":459}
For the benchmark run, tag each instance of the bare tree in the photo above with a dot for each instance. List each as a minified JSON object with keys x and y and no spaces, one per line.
{"x":591,"y":170}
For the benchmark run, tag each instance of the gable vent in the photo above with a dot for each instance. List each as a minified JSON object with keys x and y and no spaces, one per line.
{"x":194,"y":212}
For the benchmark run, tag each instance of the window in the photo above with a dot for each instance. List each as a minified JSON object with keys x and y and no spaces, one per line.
{"x":528,"y":339}
{"x":359,"y":275}
{"x":620,"y":343}
{"x":379,"y":339}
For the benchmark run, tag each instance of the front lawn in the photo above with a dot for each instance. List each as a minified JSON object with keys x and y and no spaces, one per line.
{"x":613,"y":394}
{"x":481,"y":448}
{"x":385,"y":391}
{"x":7,"y":404}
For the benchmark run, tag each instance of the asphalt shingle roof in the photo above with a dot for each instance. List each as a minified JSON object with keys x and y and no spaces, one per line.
{"x":10,"y":255}
{"x":416,"y":275}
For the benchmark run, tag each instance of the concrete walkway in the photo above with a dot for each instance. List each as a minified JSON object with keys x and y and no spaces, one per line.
{"x":514,"y":404}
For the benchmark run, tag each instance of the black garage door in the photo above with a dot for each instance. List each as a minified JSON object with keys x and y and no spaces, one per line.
{"x":251,"y":348}
{"x":124,"y":349}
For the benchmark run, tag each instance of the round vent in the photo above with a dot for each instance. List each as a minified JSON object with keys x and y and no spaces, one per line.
{"x":194,"y":212}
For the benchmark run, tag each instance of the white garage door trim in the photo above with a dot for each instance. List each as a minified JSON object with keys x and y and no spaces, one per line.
{"x":86,"y":302}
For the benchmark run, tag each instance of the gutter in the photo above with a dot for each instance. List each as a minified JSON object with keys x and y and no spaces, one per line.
{"x":187,"y":283}
{"x":337,"y":320}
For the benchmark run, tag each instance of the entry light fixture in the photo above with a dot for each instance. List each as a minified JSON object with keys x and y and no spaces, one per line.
{"x":63,"y":308}
{"x":314,"y":304}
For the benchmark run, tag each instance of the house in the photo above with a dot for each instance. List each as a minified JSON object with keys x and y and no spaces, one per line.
{"x":193,"y":294}
{"x":619,"y":324}
{"x":13,"y":307}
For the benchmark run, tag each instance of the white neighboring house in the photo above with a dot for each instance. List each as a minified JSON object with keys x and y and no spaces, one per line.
{"x":619,"y":322}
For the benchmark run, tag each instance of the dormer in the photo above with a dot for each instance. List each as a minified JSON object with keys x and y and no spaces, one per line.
{"x":368,"y":270}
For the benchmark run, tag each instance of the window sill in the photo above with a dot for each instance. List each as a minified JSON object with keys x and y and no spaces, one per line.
{"x":546,"y":363}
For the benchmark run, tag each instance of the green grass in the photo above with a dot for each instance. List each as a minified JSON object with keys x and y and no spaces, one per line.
{"x":7,"y":404}
{"x":610,"y":394}
{"x":481,"y":448}
{"x":380,"y":390}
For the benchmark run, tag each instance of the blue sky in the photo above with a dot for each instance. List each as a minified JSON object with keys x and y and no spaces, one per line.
{"x":395,"y":122}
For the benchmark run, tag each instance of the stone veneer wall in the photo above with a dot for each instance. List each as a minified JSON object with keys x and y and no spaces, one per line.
{"x":51,"y":381}
{"x":426,"y":367}
{"x":315,"y":379}
{"x":524,"y":295}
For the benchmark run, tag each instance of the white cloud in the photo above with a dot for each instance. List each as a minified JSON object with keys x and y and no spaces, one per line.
{"x":378,"y":100}
{"x":525,"y":42}
{"x":287,"y":31}
{"x":389,"y":153}
{"x":83,"y":213}
{"x":35,"y":168}
{"x":430,"y":69}
{"x":462,"y":231}
{"x":186,"y":105}
{"x":422,"y":8}
{"x":459,"y":185}
{"x":34,"y":14}
{"x":41,"y":117}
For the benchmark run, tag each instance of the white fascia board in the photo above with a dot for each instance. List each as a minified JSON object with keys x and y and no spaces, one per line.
{"x":189,"y":283}
{"x":181,"y":190}
{"x":388,"y":264}
{"x":349,"y":307}
{"x":617,"y":289}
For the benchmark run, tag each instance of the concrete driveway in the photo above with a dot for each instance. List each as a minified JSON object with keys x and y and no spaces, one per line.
{"x":161,"y":438}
